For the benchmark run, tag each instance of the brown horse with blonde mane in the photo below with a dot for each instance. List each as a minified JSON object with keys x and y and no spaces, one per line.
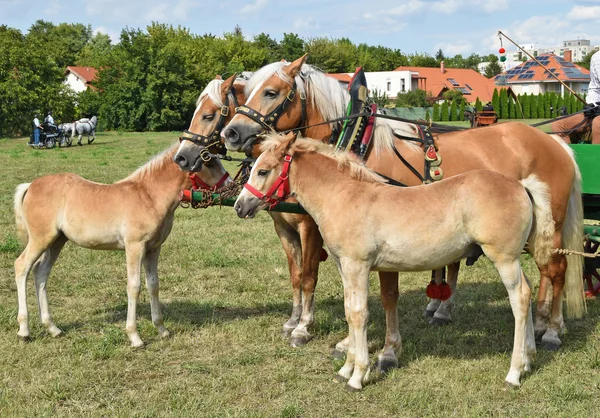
{"x":485,"y":211}
{"x":134,"y":214}
{"x":513,"y":149}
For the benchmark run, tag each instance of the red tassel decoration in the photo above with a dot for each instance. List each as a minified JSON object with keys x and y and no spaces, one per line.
{"x":445,"y":291}
{"x":433,"y":290}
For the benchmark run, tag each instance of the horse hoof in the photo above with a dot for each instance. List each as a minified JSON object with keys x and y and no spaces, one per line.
{"x":90,"y":141}
{"x":79,"y":143}
{"x":56,"y":333}
{"x":165,"y":334}
{"x":550,"y":345}
{"x":339,"y":379}
{"x":510,"y":386}
{"x":300,"y":340}
{"x":286,"y":333}
{"x":337,"y":354}
{"x":352,"y":389}
{"x":24,"y":339}
{"x":385,"y":365}
{"x":438,"y":321}
{"x":428,"y":314}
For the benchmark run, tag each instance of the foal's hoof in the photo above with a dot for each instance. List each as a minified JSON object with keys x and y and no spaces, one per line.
{"x":428,"y":314}
{"x":24,"y":338}
{"x":286,"y":333}
{"x":56,"y":332}
{"x":550,"y":345}
{"x":299,"y":340}
{"x":339,"y":379}
{"x":164,"y":334}
{"x":510,"y":386}
{"x":385,"y":365}
{"x":337,"y":354}
{"x":439,"y":321}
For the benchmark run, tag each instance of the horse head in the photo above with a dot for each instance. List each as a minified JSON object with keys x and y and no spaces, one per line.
{"x":275,"y":96}
{"x":214,"y":108}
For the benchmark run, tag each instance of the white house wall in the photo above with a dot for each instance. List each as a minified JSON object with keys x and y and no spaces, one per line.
{"x":75,"y":83}
{"x":389,"y":82}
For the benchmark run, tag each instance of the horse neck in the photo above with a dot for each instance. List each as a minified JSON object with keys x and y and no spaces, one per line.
{"x":313,"y":117}
{"x":382,"y":158}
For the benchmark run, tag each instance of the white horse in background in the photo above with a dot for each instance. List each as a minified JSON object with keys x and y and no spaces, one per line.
{"x":85,"y":126}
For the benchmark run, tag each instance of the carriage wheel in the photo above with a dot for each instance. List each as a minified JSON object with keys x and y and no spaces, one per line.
{"x":591,"y":269}
{"x":50,"y":143}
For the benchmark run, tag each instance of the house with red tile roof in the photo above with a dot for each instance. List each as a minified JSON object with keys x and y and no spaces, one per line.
{"x":531,"y":78}
{"x":79,"y":78}
{"x":435,"y":80}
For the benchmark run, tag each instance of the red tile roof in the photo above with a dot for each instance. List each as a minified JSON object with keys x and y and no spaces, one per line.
{"x":87,"y":74}
{"x":531,"y":71}
{"x":342,"y":77}
{"x":470,"y":82}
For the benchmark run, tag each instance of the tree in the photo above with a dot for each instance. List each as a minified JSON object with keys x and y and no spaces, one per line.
{"x":503,"y":110}
{"x":461,"y":111}
{"x":526,"y":103}
{"x":454,"y":95}
{"x":453,"y":116}
{"x":439,"y":55}
{"x":291,"y":47}
{"x":436,"y":112}
{"x":478,"y":105}
{"x":533,"y":100}
{"x":444,"y":111}
{"x":512,"y":111}
{"x":496,"y":100}
{"x":493,"y":68}
{"x":585,"y":62}
{"x":264,"y":42}
{"x":422,"y":60}
{"x":379,"y":97}
{"x":413,"y":98}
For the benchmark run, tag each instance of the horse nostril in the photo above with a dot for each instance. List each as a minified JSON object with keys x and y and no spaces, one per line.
{"x":231,"y":134}
{"x":180,"y":160}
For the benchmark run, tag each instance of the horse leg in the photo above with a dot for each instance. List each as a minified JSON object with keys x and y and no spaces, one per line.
{"x":530,"y":336}
{"x":23,"y":264}
{"x":93,"y":137}
{"x":445,"y":308}
{"x":388,"y":357}
{"x":134,"y":253}
{"x":290,"y":240}
{"x":357,"y":280}
{"x":556,"y":269}
{"x":79,"y":138}
{"x":312,"y":243}
{"x":345,"y":372}
{"x":544,"y":304}
{"x":151,"y":267}
{"x":41,"y":271}
{"x":519,"y":294}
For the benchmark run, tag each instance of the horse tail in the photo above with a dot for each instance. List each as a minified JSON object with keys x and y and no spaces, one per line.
{"x":19,"y":216}
{"x":541,"y":236}
{"x":572,"y":239}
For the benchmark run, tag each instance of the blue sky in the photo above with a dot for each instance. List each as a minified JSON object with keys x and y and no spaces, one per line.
{"x":456,"y":26}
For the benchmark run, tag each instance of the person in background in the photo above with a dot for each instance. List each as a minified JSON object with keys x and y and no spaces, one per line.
{"x":572,"y":128}
{"x":36,"y":131}
{"x":49,"y":119}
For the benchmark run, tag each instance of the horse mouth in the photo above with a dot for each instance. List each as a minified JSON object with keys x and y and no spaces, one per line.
{"x":197,"y":166}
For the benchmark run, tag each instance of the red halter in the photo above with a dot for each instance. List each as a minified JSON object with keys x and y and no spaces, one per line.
{"x":197,"y":182}
{"x":280,"y":190}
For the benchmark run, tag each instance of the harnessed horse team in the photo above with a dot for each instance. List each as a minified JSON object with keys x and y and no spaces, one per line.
{"x":544,"y":205}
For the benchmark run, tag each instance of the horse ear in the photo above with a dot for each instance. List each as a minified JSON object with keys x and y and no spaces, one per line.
{"x":294,"y":68}
{"x":227,"y":85}
{"x":287,"y":142}
{"x":218,"y":77}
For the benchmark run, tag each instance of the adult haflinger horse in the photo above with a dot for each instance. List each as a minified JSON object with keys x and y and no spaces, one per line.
{"x":484,"y":211}
{"x":296,"y":94}
{"x":214,"y":108}
{"x":134,"y":214}
{"x":85,"y":126}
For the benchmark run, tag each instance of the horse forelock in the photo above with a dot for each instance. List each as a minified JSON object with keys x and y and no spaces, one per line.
{"x":157,"y":163}
{"x":344,"y":159}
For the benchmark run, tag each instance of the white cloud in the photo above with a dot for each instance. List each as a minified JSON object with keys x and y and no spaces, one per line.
{"x":584,"y":13}
{"x":306,"y":23}
{"x":114,"y":37}
{"x":453,"y":48}
{"x":254,"y":7}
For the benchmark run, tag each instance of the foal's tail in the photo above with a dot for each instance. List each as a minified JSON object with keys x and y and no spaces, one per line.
{"x":19,"y":217}
{"x":542,"y":232}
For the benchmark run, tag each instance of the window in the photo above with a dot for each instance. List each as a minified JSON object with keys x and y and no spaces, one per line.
{"x":389,"y":86}
{"x":452,"y":81}
{"x":402,"y":85}
{"x":469,"y":87}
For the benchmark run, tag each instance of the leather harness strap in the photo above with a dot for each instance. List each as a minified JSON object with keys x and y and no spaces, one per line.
{"x":280,"y":190}
{"x":199,"y":184}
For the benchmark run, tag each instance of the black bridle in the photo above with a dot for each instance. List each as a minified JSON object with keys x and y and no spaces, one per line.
{"x":213,"y":138}
{"x":269,"y":120}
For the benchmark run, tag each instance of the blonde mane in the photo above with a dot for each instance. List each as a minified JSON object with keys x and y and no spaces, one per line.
{"x":345,"y":160}
{"x":213,"y":92}
{"x":157,"y":163}
{"x":322,"y":91}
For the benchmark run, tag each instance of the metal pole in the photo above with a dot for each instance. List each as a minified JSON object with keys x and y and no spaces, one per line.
{"x":542,"y":65}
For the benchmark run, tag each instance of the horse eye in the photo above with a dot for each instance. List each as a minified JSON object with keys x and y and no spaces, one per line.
{"x":270,"y":94}
{"x":209,"y":116}
{"x":263,"y":173}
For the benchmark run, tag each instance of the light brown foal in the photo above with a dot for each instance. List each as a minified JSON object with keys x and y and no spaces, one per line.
{"x":134,"y":214}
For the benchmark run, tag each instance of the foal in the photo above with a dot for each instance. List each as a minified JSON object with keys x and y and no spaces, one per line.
{"x":483,"y":210}
{"x":134,"y":214}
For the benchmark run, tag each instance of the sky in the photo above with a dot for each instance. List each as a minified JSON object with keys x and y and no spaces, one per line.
{"x":455,"y":26}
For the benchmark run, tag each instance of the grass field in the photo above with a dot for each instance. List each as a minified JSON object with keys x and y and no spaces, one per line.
{"x":225,"y":292}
